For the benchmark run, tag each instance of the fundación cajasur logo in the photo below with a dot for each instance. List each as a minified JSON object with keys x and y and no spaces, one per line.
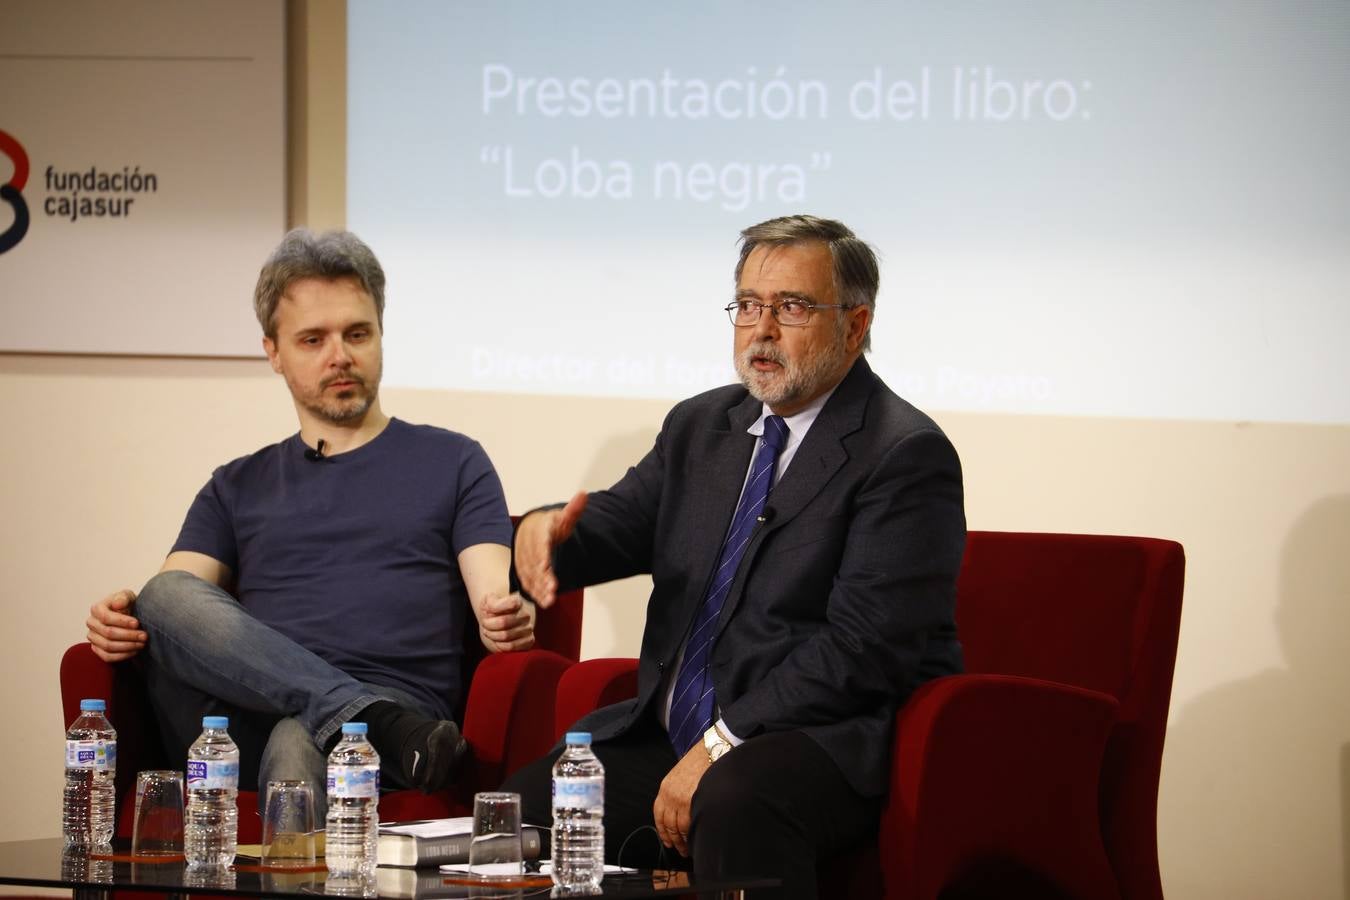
{"x":12,"y":191}
{"x":73,"y":194}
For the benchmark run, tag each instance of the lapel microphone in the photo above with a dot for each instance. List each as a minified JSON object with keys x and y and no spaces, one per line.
{"x":766,"y":516}
{"x":316,"y":454}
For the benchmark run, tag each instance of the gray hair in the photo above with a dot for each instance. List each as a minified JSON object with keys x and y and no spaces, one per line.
{"x":304,"y":254}
{"x":856,"y":274}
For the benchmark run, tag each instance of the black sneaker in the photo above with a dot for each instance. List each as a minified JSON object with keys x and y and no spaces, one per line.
{"x":432,"y":758}
{"x":430,"y":752}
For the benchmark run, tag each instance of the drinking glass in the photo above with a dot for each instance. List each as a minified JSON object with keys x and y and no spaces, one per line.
{"x":288,"y":825}
{"x":157,"y":832}
{"x":495,"y":848}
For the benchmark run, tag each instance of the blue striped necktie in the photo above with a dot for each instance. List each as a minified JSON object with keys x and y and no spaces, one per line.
{"x":691,"y":707}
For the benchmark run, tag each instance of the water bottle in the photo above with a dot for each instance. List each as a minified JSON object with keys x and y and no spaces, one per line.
{"x":210,"y":829}
{"x":88,"y":812}
{"x":77,"y":865}
{"x":353,"y":800}
{"x":578,"y":817}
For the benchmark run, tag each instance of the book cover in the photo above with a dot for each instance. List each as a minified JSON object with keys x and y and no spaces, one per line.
{"x":433,"y":842}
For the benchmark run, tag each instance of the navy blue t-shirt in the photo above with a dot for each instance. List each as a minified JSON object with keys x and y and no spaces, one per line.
{"x":354,"y":556}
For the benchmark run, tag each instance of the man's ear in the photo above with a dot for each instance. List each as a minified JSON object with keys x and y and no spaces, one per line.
{"x":859,"y":319}
{"x":270,"y":348}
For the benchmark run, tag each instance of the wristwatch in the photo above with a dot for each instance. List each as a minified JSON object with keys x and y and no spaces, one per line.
{"x":715,"y":744}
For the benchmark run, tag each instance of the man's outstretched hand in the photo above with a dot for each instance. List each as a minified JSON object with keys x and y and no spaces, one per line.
{"x":536,"y":536}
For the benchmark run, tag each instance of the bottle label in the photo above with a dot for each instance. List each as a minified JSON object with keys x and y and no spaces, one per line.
{"x":578,"y":793}
{"x":353,"y":781}
{"x":212,"y":774}
{"x":91,"y":755}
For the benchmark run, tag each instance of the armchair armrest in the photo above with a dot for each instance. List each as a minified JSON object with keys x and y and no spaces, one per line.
{"x":591,"y":684}
{"x":509,"y":714}
{"x":1002,"y":772}
{"x":84,"y":675}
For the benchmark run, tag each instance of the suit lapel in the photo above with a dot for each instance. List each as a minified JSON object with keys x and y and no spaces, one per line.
{"x":819,"y":457}
{"x":714,"y":493}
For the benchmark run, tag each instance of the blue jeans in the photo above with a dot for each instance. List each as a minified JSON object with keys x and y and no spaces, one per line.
{"x":207,"y":656}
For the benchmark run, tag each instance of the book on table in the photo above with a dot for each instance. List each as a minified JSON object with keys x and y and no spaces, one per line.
{"x":432,"y":842}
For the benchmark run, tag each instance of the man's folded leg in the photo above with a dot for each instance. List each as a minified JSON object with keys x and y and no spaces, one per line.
{"x":201,"y":638}
{"x":772,"y":807}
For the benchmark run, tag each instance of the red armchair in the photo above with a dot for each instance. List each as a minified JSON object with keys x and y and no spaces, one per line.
{"x":1035,"y":774}
{"x":507,"y":718}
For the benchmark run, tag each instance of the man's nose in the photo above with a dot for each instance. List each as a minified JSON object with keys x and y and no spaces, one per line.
{"x":339,"y":354}
{"x":767,"y":326}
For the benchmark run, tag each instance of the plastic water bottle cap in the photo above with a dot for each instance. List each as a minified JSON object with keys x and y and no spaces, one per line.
{"x":93,"y":705}
{"x":579,"y":737}
{"x":353,"y":727}
{"x":221,"y":722}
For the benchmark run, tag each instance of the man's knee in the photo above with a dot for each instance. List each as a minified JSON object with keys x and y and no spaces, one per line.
{"x":190,"y":610}
{"x":166,"y":596}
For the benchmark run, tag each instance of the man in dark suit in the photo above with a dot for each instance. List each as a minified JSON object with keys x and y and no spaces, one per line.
{"x":803,"y":531}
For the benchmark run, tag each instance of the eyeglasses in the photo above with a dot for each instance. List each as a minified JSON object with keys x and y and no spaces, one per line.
{"x":744,"y":313}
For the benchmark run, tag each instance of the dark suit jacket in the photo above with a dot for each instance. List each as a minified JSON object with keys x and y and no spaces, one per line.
{"x":844,"y":600}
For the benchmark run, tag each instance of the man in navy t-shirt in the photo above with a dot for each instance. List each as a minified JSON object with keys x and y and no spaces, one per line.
{"x":325,"y":578}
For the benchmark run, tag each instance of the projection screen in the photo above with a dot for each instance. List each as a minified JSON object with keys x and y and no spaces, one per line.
{"x":1090,"y":209}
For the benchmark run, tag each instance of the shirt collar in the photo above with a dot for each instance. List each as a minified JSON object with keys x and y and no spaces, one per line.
{"x":798,"y":423}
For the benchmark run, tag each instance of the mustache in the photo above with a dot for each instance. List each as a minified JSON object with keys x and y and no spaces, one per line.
{"x":352,"y":377}
{"x":762,"y":350}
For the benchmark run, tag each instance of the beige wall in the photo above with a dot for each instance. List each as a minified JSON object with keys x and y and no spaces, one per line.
{"x":106,"y":454}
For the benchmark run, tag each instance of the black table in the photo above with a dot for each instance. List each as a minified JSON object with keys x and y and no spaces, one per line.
{"x":44,"y":863}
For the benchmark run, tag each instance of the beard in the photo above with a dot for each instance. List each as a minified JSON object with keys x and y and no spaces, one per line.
{"x":350,"y":404}
{"x":797,"y":380}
